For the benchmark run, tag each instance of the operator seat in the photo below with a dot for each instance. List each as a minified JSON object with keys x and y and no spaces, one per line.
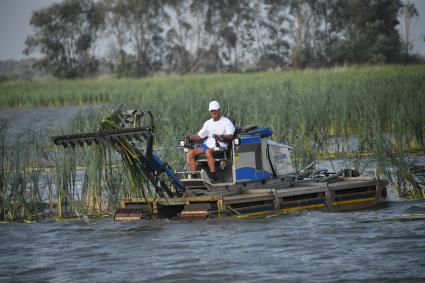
{"x":219,"y":155}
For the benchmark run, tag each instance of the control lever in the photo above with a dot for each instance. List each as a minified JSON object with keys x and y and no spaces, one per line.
{"x":217,"y":144}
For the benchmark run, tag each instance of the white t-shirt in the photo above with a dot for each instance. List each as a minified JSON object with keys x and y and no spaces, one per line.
{"x":221,"y":127}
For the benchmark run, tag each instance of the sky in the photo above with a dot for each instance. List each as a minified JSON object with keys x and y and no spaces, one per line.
{"x":15,"y":16}
{"x":15,"y":26}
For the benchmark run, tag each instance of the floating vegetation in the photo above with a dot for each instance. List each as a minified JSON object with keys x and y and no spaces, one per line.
{"x":407,"y":180}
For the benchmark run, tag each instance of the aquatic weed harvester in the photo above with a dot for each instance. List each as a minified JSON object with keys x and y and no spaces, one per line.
{"x":255,"y":176}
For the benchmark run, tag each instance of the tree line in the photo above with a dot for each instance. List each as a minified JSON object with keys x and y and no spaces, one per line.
{"x":143,"y":37}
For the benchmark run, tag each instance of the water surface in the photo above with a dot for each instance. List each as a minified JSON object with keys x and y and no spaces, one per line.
{"x":379,"y":245}
{"x":39,"y":119}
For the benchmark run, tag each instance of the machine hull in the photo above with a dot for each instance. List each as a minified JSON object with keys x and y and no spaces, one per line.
{"x":343,"y":194}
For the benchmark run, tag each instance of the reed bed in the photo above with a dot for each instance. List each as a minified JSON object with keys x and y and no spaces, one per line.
{"x":318,"y":112}
{"x":39,"y":180}
{"x":102,"y":182}
{"x":22,"y":182}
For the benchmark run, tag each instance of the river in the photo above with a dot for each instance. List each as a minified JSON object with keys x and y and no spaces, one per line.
{"x":380,"y":245}
{"x":20,"y":120}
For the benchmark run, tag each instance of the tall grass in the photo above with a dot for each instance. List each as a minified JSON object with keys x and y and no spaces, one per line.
{"x":315,"y":111}
{"x":102,"y":183}
{"x":315,"y":104}
{"x":21,"y":177}
{"x":29,"y":192}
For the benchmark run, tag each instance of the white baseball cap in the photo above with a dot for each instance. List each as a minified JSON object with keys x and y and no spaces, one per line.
{"x":214,"y":105}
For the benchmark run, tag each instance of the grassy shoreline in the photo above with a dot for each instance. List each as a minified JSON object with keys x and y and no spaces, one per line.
{"x":56,"y":93}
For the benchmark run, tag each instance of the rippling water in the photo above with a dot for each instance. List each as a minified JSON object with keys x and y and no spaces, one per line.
{"x":380,"y":245}
{"x":20,"y":120}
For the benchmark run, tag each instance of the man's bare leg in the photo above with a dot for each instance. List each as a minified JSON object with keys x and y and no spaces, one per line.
{"x":191,"y":158}
{"x":209,"y":153}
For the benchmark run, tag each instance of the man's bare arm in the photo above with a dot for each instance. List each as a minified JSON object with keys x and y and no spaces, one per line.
{"x":195,"y":138}
{"x":225,"y":137}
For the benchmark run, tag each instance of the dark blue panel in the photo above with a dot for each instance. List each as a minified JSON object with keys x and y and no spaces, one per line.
{"x":249,"y":173}
{"x":262,"y":132}
{"x":245,"y":140}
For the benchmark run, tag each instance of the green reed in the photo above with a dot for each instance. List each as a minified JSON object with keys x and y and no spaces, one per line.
{"x":93,"y":179}
{"x":333,"y":102}
{"x":3,"y":172}
{"x":20,"y":177}
{"x":102,"y":183}
{"x":315,"y":111}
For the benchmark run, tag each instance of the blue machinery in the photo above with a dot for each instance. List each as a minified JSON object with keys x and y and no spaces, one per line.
{"x":250,"y":158}
{"x":255,"y":177}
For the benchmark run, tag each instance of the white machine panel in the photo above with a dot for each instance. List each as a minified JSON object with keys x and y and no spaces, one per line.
{"x":280,"y":157}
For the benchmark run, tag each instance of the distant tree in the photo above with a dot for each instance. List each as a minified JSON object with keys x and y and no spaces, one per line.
{"x":369,"y":31}
{"x":300,"y":34}
{"x":326,"y":31}
{"x":232,"y":17}
{"x":207,"y":36}
{"x":65,"y":34}
{"x":20,"y":70}
{"x":184,"y":36}
{"x":138,"y":24}
{"x":314,"y":32}
{"x":329,"y":32}
{"x":220,"y":36}
{"x":274,"y":30}
{"x":409,"y":14}
{"x":119,"y":61}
